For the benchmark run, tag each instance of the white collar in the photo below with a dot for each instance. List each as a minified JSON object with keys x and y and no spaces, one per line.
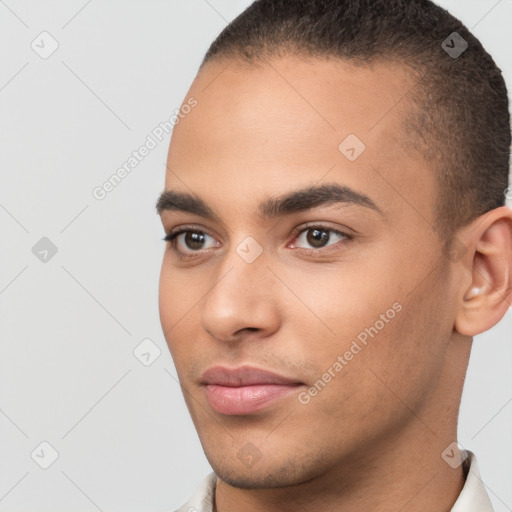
{"x":473,"y":497}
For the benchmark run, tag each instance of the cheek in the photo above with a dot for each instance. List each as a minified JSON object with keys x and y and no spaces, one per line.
{"x":347,"y":299}
{"x":378,"y":381}
{"x":165,"y":299}
{"x":178,"y":294}
{"x":384,"y":335}
{"x":176,"y":301}
{"x":402,"y":362}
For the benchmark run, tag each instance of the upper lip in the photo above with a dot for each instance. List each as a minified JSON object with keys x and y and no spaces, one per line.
{"x":243,"y":376}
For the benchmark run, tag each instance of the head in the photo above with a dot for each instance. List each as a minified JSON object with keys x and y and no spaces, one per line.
{"x":342,"y":181}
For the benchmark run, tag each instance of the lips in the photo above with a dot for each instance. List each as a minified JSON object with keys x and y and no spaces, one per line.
{"x":245,"y":390}
{"x":243,"y":376}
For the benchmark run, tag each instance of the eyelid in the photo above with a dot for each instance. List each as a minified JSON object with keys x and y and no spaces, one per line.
{"x":320,"y":225}
{"x":188,"y":227}
{"x":173,"y":235}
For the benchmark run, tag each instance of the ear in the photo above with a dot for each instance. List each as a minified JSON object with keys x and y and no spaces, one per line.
{"x":487,"y":289}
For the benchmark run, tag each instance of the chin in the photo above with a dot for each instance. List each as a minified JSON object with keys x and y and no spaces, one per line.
{"x":265,"y":474}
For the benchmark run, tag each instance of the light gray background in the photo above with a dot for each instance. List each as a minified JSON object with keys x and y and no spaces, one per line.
{"x":69,"y":326}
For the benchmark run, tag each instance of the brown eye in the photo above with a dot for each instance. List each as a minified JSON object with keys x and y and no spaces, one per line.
{"x":194,"y":240}
{"x":188,"y":241}
{"x":317,"y":237}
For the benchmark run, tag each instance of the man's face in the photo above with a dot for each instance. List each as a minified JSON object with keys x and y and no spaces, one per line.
{"x":286,"y":292}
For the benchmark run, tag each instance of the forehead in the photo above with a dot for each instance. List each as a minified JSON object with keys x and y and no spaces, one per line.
{"x":290,"y":122}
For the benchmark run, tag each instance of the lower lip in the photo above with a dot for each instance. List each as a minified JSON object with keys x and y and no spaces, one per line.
{"x":245,"y":399}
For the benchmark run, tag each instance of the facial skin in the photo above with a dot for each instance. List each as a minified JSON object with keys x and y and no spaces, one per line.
{"x":372,"y":438}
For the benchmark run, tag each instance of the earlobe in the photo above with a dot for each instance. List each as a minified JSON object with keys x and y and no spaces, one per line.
{"x":489,"y":294}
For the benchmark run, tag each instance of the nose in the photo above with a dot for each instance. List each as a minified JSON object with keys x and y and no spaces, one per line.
{"x":242,"y":299}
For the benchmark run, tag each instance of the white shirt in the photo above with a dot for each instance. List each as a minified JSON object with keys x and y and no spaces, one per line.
{"x":473,"y":497}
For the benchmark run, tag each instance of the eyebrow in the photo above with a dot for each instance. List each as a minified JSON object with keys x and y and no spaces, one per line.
{"x":292,"y":202}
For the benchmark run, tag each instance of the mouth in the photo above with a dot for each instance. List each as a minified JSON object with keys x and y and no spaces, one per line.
{"x":245,"y":390}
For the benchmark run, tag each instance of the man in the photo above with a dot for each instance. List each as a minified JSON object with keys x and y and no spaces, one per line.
{"x":336,"y":235}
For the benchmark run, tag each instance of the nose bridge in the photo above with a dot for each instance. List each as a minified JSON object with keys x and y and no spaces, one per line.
{"x":244,"y":268}
{"x":243,"y":294}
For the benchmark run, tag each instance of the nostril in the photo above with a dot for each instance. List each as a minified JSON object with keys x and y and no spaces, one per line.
{"x":251,"y":329}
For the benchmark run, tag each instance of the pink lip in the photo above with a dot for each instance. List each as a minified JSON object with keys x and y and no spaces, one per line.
{"x":245,"y":389}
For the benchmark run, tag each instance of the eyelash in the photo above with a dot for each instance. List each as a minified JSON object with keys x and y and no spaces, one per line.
{"x":171,"y":237}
